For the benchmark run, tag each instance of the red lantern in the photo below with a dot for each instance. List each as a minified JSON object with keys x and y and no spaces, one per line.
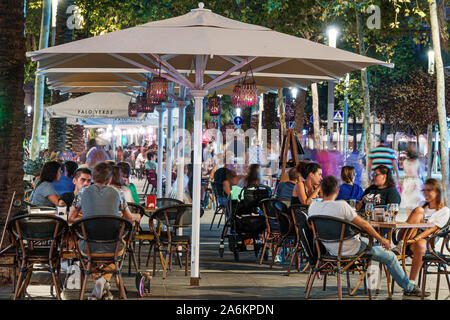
{"x":236,"y":97}
{"x":249,"y":92}
{"x":157,"y":90}
{"x":215,"y":105}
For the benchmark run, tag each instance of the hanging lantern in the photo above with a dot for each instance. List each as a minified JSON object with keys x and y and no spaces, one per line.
{"x":132,"y":109}
{"x":215,"y":105}
{"x":140,"y":103}
{"x":157,"y":90}
{"x":146,"y":107}
{"x":249,"y":93}
{"x":236,"y":97}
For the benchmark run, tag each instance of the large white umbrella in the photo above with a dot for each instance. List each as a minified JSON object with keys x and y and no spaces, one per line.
{"x":209,"y":46}
{"x":94,"y":105}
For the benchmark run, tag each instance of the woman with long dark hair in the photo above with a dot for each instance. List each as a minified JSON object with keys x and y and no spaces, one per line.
{"x":382,"y":191}
{"x":253,"y":176}
{"x":45,"y":194}
{"x":305,"y":191}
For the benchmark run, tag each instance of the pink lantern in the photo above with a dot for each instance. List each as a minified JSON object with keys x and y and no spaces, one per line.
{"x":157,"y":90}
{"x":236,"y":97}
{"x":249,"y":92}
{"x":215,"y":105}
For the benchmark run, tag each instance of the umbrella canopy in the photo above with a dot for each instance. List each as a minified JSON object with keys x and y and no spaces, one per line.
{"x":93,"y":105}
{"x":226,"y":46}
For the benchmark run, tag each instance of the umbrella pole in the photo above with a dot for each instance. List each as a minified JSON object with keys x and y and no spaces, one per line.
{"x":169,"y":150}
{"x":180,"y":170}
{"x":160,"y":151}
{"x":198,"y":119}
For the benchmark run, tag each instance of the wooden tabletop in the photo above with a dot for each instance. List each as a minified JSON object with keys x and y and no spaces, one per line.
{"x":400,"y":225}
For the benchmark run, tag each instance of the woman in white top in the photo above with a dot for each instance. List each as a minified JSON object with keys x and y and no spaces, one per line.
{"x":412,"y":184}
{"x":433,"y":211}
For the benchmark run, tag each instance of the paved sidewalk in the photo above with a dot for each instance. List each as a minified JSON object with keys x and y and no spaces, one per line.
{"x":223,"y":278}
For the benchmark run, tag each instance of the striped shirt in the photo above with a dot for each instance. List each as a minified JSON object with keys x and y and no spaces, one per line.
{"x":382,"y":156}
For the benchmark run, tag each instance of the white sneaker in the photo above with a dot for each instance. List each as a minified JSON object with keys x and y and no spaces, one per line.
{"x":398,"y":248}
{"x":277,"y":259}
{"x":98,"y":289}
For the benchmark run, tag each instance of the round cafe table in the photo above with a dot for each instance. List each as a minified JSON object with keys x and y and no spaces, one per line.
{"x":391,"y":226}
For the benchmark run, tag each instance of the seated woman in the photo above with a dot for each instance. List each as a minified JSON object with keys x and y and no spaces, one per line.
{"x":349,"y":190}
{"x":230,"y":186}
{"x":125,"y":193}
{"x":118,"y":183}
{"x":45,"y":194}
{"x":433,"y":211}
{"x":382,"y":191}
{"x":125,"y":170}
{"x":304,"y":192}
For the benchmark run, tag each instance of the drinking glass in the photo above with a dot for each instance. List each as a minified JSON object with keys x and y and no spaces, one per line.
{"x":393,"y":210}
{"x":352,"y":203}
{"x":368,"y":210}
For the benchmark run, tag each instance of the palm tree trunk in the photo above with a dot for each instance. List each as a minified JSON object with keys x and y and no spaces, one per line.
{"x":39,"y":83}
{"x":316,"y":123}
{"x":440,"y":80}
{"x":12,"y":116}
{"x":57,"y":131}
{"x":269,"y":114}
{"x":281,"y":112}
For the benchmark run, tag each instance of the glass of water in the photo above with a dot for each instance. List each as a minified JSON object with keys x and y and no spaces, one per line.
{"x":368,"y":210}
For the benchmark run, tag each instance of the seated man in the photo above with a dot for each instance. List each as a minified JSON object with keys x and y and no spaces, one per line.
{"x":100,"y":199}
{"x":82,"y":178}
{"x":341,"y":209}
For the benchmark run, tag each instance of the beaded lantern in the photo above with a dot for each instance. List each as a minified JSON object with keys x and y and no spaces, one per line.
{"x":236,"y":96}
{"x":215,"y":105}
{"x":249,"y":93}
{"x":157,"y":90}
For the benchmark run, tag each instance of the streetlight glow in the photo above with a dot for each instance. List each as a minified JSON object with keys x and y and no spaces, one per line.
{"x":54,"y":9}
{"x":294,"y":92}
{"x":332,"y":33}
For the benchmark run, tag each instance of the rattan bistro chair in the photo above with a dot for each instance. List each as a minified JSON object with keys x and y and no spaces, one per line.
{"x":304,"y":245}
{"x":273,"y":237}
{"x":328,"y":229}
{"x":105,"y":239}
{"x":219,"y":200}
{"x":438,"y":258}
{"x":152,"y":230}
{"x":174,"y":218}
{"x":38,"y":240}
{"x":138,"y":235}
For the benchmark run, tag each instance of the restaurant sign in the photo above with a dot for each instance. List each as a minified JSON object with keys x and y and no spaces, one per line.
{"x":94,"y":112}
